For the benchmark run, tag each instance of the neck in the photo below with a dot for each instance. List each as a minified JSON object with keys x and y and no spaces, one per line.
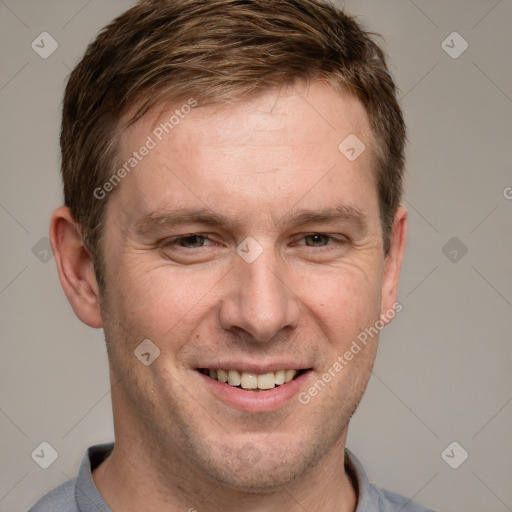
{"x":135,"y":477}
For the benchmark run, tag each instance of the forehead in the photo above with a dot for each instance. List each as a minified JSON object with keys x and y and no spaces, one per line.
{"x":278,"y":148}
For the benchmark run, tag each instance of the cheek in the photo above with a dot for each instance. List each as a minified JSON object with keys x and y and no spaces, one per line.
{"x":160,"y":302}
{"x":345,"y":299}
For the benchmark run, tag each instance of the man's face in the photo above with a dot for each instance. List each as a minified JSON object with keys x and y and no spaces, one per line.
{"x":293,"y":297}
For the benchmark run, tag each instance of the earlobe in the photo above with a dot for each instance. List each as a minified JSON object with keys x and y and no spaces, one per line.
{"x":393,"y":265}
{"x":75,"y":267}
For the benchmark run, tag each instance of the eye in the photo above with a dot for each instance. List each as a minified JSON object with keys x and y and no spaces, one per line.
{"x":317,"y":240}
{"x":192,"y":248}
{"x":191,"y":241}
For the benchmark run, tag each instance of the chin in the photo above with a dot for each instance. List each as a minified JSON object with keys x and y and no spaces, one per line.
{"x":259,"y":468}
{"x":259,"y":480}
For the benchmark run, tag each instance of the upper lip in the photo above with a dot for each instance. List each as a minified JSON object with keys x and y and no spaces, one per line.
{"x":258,"y":368}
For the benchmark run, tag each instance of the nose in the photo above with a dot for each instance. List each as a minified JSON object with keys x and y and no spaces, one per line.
{"x":259,"y":299}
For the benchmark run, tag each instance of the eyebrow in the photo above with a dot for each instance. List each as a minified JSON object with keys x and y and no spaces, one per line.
{"x":165,"y":219}
{"x":348,"y":214}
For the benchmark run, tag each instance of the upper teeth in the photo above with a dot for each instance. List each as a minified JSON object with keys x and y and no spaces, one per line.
{"x":249,"y":380}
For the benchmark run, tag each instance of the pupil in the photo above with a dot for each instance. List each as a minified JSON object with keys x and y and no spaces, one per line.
{"x":193,"y":240}
{"x":317,"y":239}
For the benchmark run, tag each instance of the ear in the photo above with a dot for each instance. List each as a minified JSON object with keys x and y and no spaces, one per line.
{"x":74,"y":265}
{"x":392,"y":266}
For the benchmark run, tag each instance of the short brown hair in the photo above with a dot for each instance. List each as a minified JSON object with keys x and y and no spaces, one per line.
{"x":217,"y":50}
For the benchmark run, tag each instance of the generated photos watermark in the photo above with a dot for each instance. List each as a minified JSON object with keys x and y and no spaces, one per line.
{"x":152,"y":141}
{"x":342,"y":361}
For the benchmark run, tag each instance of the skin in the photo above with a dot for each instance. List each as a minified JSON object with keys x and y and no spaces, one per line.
{"x":303,"y":300}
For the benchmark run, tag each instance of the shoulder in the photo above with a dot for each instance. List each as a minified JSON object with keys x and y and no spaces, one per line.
{"x":391,"y":502}
{"x":60,"y":499}
{"x":376,"y":499}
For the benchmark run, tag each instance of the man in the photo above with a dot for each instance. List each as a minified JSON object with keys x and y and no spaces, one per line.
{"x":232,"y":176}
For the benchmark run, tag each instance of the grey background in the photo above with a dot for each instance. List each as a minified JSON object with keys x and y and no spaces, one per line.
{"x":444,"y":367}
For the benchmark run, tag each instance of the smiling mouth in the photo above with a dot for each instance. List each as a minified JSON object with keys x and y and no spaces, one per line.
{"x":251,"y":381}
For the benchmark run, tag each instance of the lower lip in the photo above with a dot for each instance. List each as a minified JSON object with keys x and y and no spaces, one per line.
{"x":255,"y":401}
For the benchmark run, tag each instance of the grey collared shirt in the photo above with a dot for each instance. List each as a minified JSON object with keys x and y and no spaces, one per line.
{"x":81,"y":495}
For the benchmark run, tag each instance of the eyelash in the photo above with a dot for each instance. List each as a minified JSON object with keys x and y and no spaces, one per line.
{"x":175,"y":240}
